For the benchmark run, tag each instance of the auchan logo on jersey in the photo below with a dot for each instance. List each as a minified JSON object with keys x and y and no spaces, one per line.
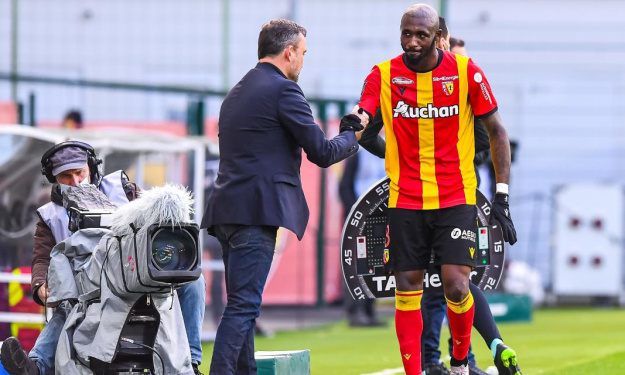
{"x":404,"y":110}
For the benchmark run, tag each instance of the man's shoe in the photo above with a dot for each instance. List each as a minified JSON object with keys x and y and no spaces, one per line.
{"x":474,"y":370}
{"x":460,"y":370}
{"x":505,"y":361}
{"x":15,"y":360}
{"x":196,"y":370}
{"x":436,"y":369}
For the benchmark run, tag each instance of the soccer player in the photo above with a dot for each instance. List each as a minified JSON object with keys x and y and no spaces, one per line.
{"x":428,"y":99}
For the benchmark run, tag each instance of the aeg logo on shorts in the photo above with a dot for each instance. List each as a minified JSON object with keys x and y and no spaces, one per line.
{"x":463,"y":234}
{"x":429,"y":111}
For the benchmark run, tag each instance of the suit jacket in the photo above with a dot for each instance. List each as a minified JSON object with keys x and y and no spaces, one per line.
{"x":264,"y":123}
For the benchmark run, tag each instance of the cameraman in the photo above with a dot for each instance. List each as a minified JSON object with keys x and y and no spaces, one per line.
{"x":70,"y":164}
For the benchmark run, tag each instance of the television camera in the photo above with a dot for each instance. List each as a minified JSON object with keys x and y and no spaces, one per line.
{"x":125,"y":264}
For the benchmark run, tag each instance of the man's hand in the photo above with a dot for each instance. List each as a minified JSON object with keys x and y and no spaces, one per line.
{"x":350,"y":122}
{"x":365,"y":117}
{"x":43,"y":292}
{"x":501,"y":212}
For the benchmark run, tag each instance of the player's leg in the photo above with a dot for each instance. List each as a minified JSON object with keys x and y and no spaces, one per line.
{"x":410,"y":254}
{"x":484,"y":322}
{"x":455,"y":230}
{"x":504,"y":356}
{"x":473,"y":367}
{"x":460,"y":313}
{"x":408,"y":320}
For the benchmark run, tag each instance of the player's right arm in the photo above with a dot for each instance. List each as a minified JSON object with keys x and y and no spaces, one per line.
{"x":366,"y":109}
{"x":369,"y":97}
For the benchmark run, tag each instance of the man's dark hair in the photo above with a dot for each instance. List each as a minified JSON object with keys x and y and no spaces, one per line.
{"x":276,"y":34}
{"x":75,"y":116}
{"x":443,"y":26}
{"x":455,"y":42}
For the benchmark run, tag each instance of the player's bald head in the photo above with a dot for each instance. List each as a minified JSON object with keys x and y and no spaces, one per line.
{"x":421,"y":11}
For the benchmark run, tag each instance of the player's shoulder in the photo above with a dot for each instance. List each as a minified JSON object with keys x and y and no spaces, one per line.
{"x":459,"y":60}
{"x":454,"y":57}
{"x":397,"y":59}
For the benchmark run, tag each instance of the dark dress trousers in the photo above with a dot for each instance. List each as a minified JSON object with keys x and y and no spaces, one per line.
{"x":264,"y":123}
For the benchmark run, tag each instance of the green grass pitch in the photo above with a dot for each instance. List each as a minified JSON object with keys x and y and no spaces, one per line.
{"x":556,"y":342}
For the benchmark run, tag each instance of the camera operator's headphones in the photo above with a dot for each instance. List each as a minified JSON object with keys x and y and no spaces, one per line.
{"x":95,"y":164}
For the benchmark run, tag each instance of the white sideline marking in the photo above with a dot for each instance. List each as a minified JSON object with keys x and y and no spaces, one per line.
{"x":389,"y":371}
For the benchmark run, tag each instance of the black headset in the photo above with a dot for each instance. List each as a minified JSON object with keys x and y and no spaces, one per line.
{"x":95,"y":164}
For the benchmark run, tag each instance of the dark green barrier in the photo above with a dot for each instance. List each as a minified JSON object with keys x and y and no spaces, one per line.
{"x":510,"y":307}
{"x":296,"y":362}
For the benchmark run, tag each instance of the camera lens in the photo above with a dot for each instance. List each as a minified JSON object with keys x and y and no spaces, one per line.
{"x":173,"y":250}
{"x":166,"y":257}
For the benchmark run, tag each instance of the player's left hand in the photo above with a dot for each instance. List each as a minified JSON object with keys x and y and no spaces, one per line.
{"x":501,"y":212}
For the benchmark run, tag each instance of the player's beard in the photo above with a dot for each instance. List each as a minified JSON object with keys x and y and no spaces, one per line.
{"x":417,"y":60}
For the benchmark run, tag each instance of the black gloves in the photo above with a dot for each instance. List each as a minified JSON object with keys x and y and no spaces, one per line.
{"x":501,"y":212}
{"x":350,"y":122}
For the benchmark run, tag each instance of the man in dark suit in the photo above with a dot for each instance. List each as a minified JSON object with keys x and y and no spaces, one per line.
{"x":264,"y":123}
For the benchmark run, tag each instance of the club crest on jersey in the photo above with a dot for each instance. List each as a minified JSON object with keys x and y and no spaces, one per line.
{"x":405,"y":110}
{"x":448,"y":87}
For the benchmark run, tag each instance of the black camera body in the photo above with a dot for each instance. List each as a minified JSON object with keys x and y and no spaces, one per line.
{"x":88,"y":207}
{"x":83,"y":219}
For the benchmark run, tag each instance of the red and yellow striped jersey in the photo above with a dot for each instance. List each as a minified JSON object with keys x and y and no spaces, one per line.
{"x":428,"y":119}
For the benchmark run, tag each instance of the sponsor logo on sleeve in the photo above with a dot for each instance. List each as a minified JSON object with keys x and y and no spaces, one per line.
{"x":477,"y":77}
{"x":485,"y":92}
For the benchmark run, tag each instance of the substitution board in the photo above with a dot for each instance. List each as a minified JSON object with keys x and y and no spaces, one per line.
{"x":364,"y":248}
